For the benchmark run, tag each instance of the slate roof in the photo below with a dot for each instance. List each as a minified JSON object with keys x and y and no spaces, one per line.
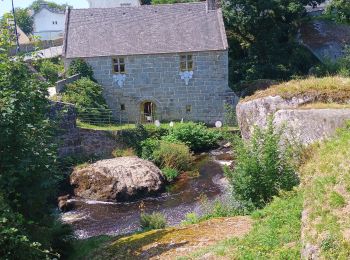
{"x":147,"y":29}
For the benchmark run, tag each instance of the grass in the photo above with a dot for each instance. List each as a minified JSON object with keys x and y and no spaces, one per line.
{"x":326,"y":185}
{"x":161,"y":243}
{"x":117,"y":127}
{"x":106,"y":127}
{"x":82,"y":248}
{"x":319,"y":105}
{"x":325,"y":90}
{"x":275,"y":233}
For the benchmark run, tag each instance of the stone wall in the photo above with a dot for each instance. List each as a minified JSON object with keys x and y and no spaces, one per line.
{"x":62,"y":83}
{"x":156,"y":78}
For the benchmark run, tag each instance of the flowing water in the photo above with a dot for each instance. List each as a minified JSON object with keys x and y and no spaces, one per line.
{"x":92,"y":218}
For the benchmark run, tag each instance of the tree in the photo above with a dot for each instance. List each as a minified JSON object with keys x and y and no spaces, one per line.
{"x":28,"y":168}
{"x":340,"y":9}
{"x":23,"y":18}
{"x":262,"y":38}
{"x":36,"y":5}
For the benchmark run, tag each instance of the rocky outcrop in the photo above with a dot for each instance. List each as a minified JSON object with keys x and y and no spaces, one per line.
{"x":306,"y":125}
{"x":117,"y":179}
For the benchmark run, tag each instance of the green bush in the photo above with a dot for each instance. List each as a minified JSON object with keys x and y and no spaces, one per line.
{"x":170,"y":174}
{"x":49,"y":70}
{"x":173,"y":155}
{"x":263,"y":167}
{"x":87,"y":96}
{"x":148,"y":147}
{"x":152,"y":221}
{"x":196,"y":135}
{"x":80,"y":66}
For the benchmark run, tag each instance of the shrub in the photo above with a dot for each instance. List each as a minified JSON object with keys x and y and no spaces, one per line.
{"x":134,"y":137}
{"x":123,"y":152}
{"x":196,"y":135}
{"x":87,"y":96}
{"x":80,"y":66}
{"x":176,"y":156}
{"x":152,"y":221}
{"x":148,"y":147}
{"x":170,"y":174}
{"x":49,"y":70}
{"x":263,"y":167}
{"x":190,"y":219}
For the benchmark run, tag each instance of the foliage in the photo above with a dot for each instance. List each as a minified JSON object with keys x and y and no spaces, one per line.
{"x":148,"y":147}
{"x":170,"y":174}
{"x":326,"y":186}
{"x":196,"y":135}
{"x":152,"y":221}
{"x":190,"y":219}
{"x":326,"y":90}
{"x":87,"y":96}
{"x":23,"y":19}
{"x":173,"y":155}
{"x":36,"y":5}
{"x":261,"y":36}
{"x":28,"y":169}
{"x":123,"y":152}
{"x":80,"y":66}
{"x":340,"y":10}
{"x":49,"y":70}
{"x":230,"y":115}
{"x":263,"y":167}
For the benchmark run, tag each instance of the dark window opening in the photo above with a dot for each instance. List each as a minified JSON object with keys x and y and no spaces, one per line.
{"x":122,"y":107}
{"x":118,"y":65}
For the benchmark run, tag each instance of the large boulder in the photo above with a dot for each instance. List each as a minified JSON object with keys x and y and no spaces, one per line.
{"x":304,"y":125}
{"x":117,"y":179}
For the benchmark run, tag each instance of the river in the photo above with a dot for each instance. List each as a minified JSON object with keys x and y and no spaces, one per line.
{"x":93,"y":218}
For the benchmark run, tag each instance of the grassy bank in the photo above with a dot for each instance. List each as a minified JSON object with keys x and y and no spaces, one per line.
{"x":324,"y":90}
{"x":326,"y":184}
{"x":275,"y":233}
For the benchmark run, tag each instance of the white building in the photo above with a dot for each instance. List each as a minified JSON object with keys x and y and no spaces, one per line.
{"x":49,"y":23}
{"x":112,"y":3}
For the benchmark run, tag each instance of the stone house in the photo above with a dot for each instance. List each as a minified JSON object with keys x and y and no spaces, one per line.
{"x":48,"y":23}
{"x":166,"y":62}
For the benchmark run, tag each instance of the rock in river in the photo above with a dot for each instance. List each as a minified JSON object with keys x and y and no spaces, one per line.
{"x":117,"y":179}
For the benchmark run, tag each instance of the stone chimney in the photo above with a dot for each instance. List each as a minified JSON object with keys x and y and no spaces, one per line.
{"x":211,"y":5}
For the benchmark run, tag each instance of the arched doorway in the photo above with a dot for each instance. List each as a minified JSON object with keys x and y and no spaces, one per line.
{"x":148,"y":111}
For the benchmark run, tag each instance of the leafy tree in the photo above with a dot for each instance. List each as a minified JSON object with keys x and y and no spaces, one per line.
{"x":262,"y":38}
{"x":87,"y":96}
{"x":23,"y":19}
{"x":28,"y":172}
{"x":36,"y":5}
{"x":340,"y":9}
{"x":79,"y":66}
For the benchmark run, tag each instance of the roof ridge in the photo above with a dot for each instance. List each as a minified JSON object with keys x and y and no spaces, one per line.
{"x":141,"y":6}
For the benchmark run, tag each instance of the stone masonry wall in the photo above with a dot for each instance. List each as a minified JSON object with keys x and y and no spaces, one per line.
{"x":156,"y":78}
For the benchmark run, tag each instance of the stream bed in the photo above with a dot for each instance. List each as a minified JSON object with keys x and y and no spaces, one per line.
{"x":93,"y":218}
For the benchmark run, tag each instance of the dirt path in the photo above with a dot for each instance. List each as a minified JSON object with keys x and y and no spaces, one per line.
{"x":172,"y":243}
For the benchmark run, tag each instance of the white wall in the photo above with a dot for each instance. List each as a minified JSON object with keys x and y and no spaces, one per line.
{"x":112,"y":3}
{"x":44,"y":26}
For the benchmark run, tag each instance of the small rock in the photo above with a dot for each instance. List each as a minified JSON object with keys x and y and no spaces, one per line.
{"x":227,"y":145}
{"x":64,"y":204}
